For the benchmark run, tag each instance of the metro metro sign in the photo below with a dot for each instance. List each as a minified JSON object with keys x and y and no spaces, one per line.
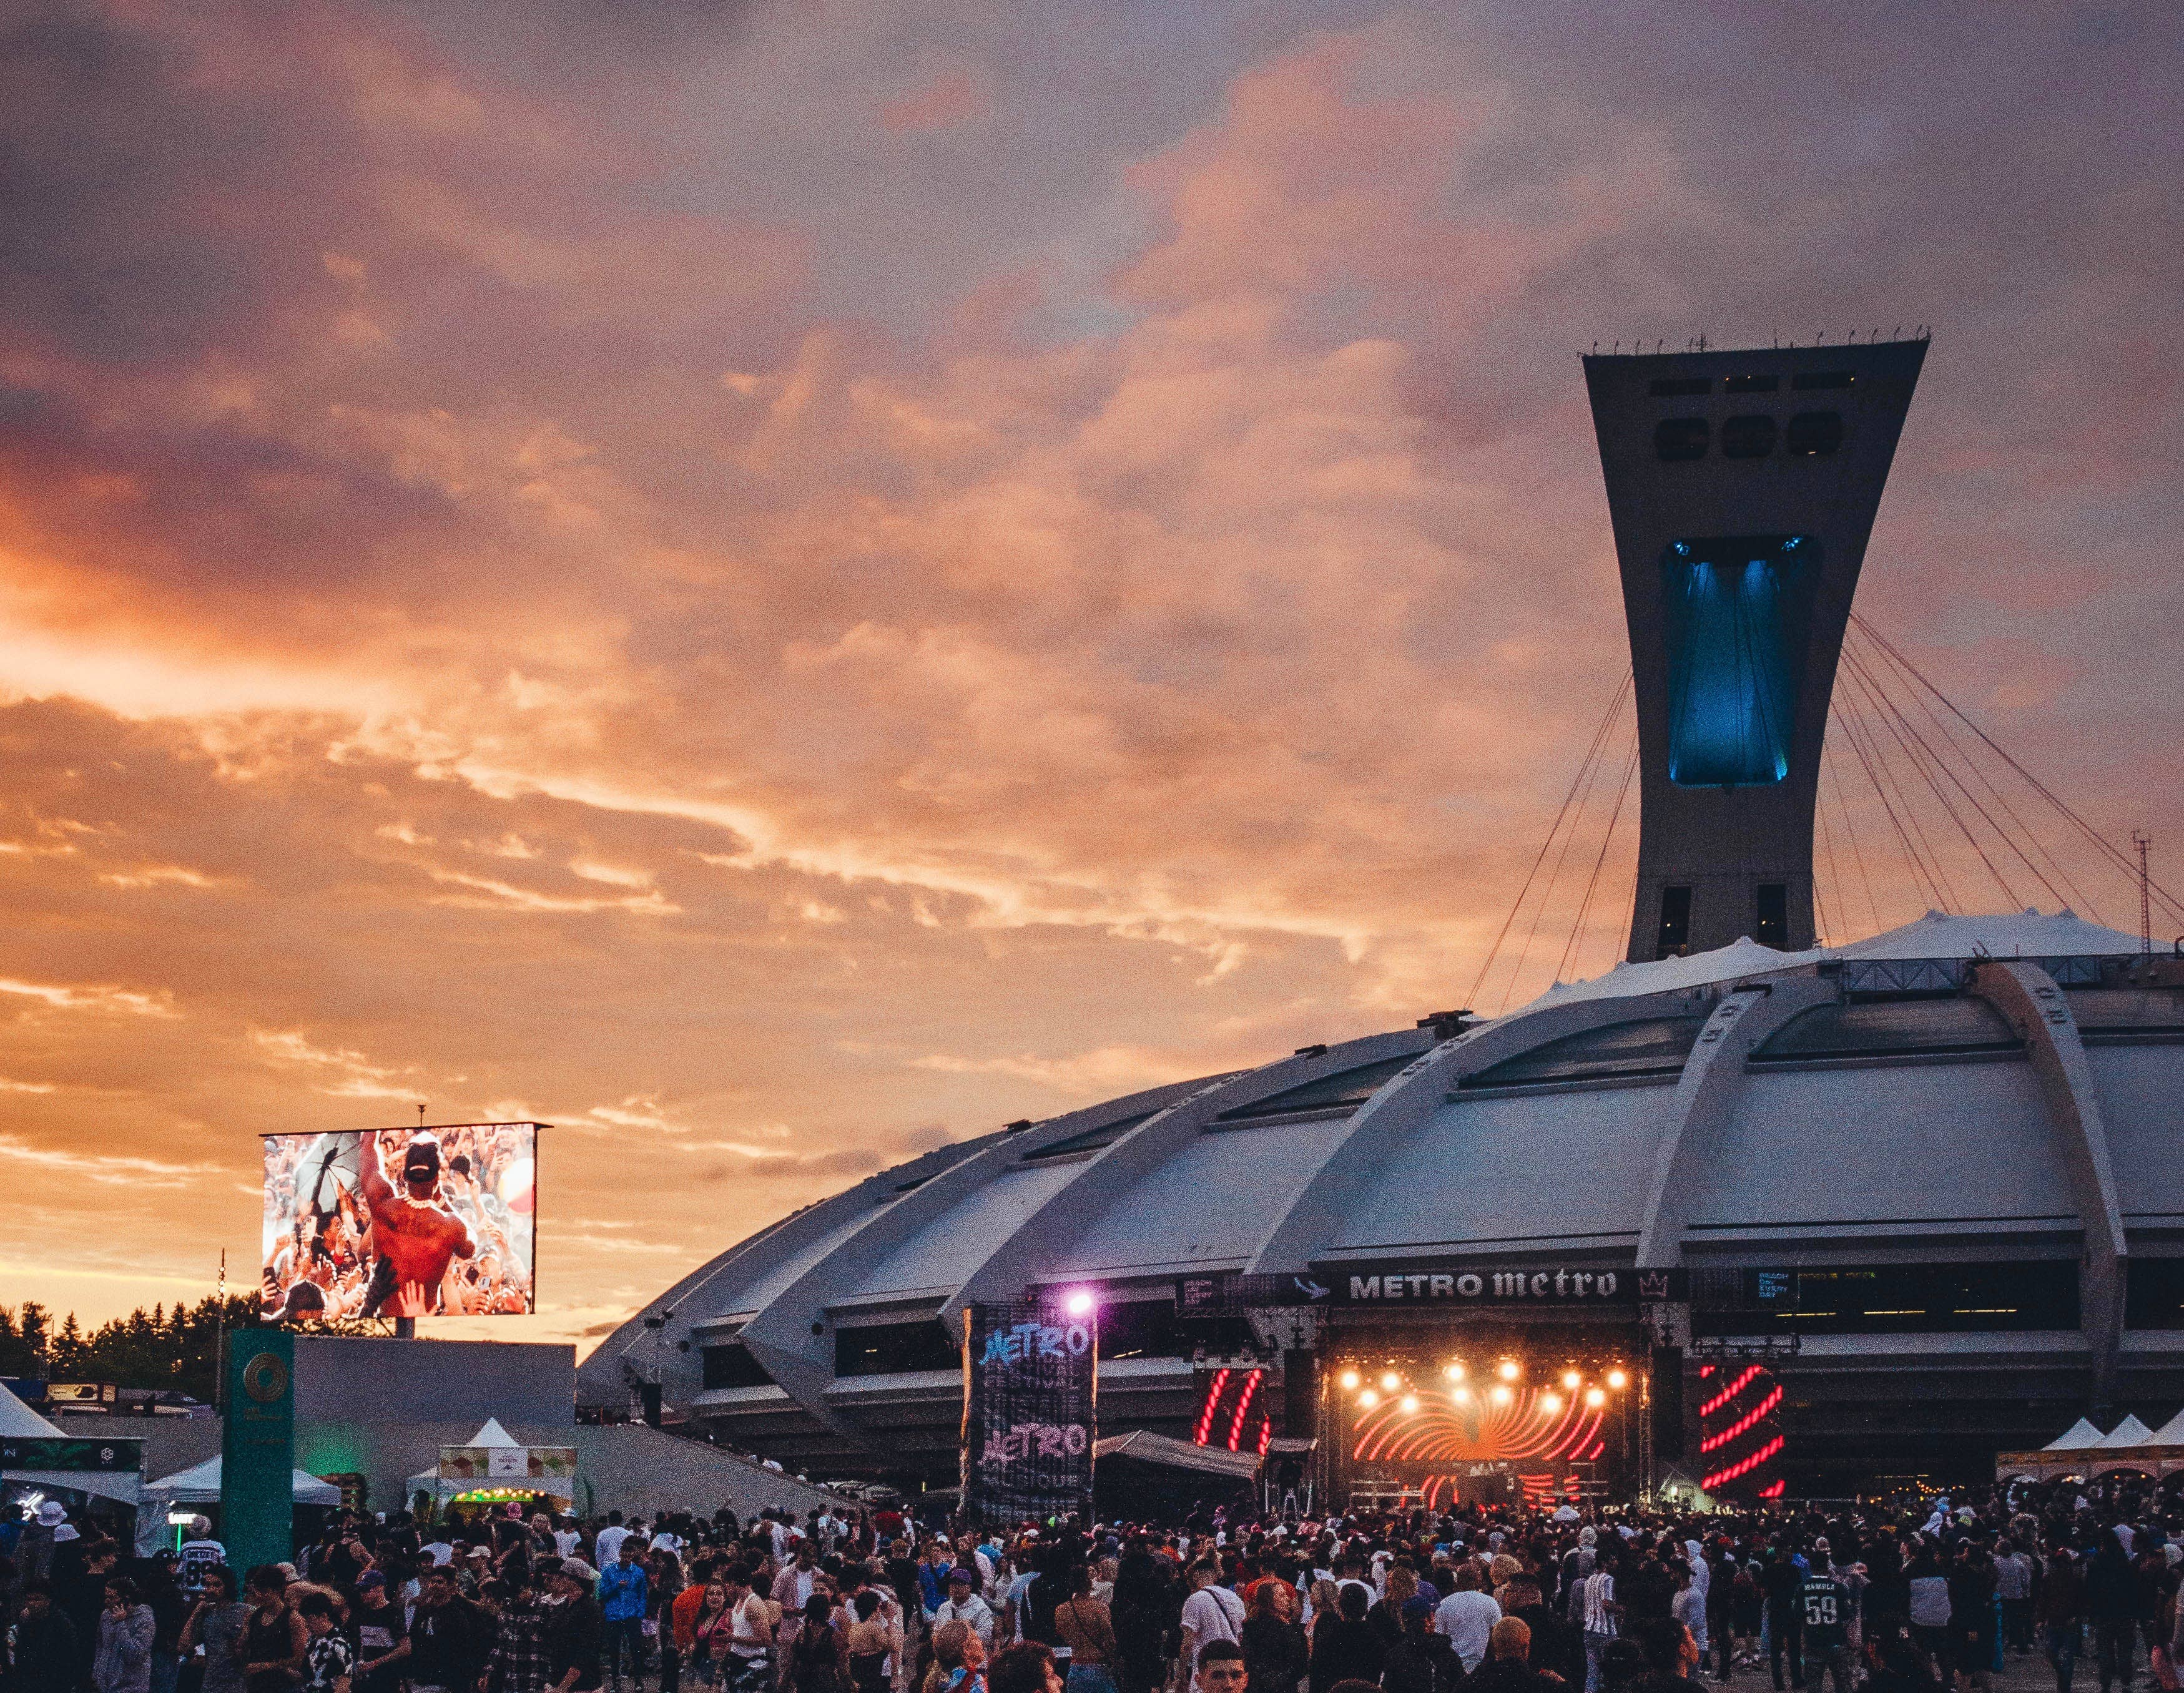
{"x":1590,"y":1284}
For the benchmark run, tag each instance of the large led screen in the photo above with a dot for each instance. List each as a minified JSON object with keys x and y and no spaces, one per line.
{"x":396,"y":1222}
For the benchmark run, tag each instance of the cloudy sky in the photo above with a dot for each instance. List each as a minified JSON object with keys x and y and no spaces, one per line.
{"x":772,"y":584}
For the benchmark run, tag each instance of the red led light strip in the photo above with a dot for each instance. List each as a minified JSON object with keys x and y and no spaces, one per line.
{"x":1243,"y":1406}
{"x":1731,"y":1391}
{"x":1743,"y":1467}
{"x":1204,"y":1435}
{"x":1772,"y":1489}
{"x":1744,"y":1425}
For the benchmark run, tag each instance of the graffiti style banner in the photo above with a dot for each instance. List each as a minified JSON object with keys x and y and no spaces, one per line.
{"x":1029,"y":1411}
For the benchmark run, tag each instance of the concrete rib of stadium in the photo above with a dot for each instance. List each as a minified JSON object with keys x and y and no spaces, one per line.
{"x":1932,"y":1161}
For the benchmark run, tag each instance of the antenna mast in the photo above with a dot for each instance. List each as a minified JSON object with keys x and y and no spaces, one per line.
{"x":2141,"y":840}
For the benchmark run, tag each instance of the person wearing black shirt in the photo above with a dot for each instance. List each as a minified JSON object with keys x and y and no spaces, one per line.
{"x":573,"y":1634}
{"x":1671,"y":1656}
{"x":1824,"y":1615}
{"x":448,"y":1636}
{"x":46,"y":1654}
{"x":1784,"y":1632}
{"x":382,"y":1638}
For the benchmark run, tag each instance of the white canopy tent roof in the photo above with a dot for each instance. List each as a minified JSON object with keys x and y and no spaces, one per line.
{"x":199,"y":1485}
{"x":2169,"y":1434}
{"x":2076,"y":1438}
{"x":491,"y":1434}
{"x":19,"y":1422}
{"x":2131,"y":1431}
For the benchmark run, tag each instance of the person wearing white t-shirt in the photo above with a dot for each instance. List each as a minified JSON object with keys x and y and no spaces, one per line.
{"x":1211,"y":1613}
{"x":608,"y":1546}
{"x":1467,"y":1617}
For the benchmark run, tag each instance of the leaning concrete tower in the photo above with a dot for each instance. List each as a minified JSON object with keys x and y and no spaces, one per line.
{"x":1742,"y":486}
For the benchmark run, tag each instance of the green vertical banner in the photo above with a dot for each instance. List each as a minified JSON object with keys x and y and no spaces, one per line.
{"x":258,"y":1448}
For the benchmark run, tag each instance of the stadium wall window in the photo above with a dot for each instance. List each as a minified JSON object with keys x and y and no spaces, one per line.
{"x":889,"y":1349}
{"x":1814,"y":434}
{"x":732,"y":1365}
{"x":1679,"y":440}
{"x":1750,"y":435}
{"x":1675,"y":935}
{"x":1912,"y":1299}
{"x":1806,"y":380}
{"x":1771,"y":921}
{"x":2154,"y":1294}
{"x":1678,"y":387}
{"x":1752,"y":385}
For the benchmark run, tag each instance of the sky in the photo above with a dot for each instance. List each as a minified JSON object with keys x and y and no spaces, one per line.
{"x":774,"y":585}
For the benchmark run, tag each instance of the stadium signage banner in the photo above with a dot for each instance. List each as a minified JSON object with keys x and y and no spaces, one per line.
{"x":1564,"y":1285}
{"x":1397,"y":1281}
{"x":1029,"y":1411}
{"x":43,"y":1452}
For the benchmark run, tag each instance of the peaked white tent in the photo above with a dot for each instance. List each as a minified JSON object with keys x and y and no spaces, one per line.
{"x":199,"y":1485}
{"x":17,"y":1422}
{"x":2131,"y":1431}
{"x":2169,"y":1434}
{"x":493,"y":1459}
{"x":2076,"y":1438}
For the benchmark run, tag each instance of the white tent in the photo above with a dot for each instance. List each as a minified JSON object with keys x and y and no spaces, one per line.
{"x":199,"y":1485}
{"x":508,"y":1461}
{"x":2169,"y":1434}
{"x":17,"y":1422}
{"x":2076,"y":1438}
{"x":2131,"y":1431}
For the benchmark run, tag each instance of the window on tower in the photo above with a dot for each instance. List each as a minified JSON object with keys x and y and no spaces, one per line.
{"x":1736,"y":608}
{"x":1677,"y":440}
{"x":1750,"y":435}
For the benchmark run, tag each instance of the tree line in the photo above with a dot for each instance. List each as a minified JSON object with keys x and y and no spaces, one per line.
{"x":175,"y":1348}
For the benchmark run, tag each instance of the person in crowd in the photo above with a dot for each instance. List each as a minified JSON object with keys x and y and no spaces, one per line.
{"x":747,"y":1664}
{"x":1220,"y":1668}
{"x":818,"y":1656}
{"x":212,"y":1634}
{"x":1467,"y":1617}
{"x":450,"y":1636}
{"x":1276,"y":1654}
{"x":2112,"y":1601}
{"x":1211,"y":1612}
{"x":574,"y":1630}
{"x":623,"y":1594}
{"x":959,"y":1660}
{"x":328,"y":1657}
{"x":1419,"y":1660}
{"x":273,"y":1636}
{"x":520,"y":1657}
{"x":1086,"y":1627}
{"x":381,"y":1636}
{"x":1344,"y":1647}
{"x":42,"y":1656}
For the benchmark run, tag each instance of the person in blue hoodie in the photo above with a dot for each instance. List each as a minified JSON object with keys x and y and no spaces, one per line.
{"x":621,"y":1601}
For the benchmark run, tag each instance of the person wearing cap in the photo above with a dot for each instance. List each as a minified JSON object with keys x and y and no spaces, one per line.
{"x":574,"y":1629}
{"x":382,"y":1637}
{"x":521,"y":1659}
{"x":963,"y":1605}
{"x":413,"y":1230}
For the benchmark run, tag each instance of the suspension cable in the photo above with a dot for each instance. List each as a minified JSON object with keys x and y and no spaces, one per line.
{"x":1842,"y":810}
{"x":1566,"y":966}
{"x":1861,"y":742}
{"x":2070,"y":892}
{"x":1596,"y":764}
{"x":1607,"y":716}
{"x":2121,"y":861}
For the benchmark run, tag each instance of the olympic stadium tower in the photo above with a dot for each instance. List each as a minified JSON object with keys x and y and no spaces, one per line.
{"x":1746,"y":1214}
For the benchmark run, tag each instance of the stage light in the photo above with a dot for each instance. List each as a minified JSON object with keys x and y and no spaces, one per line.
{"x":1408,"y":1403}
{"x":1391,"y":1381}
{"x":1501,"y":1395}
{"x":1595,"y":1398}
{"x":1508,"y":1370}
{"x":1454,"y":1372}
{"x":1462,"y":1395}
{"x":1549,"y":1403}
{"x":1348,"y":1379}
{"x":1368,"y":1399}
{"x":1618,"y":1379}
{"x":1570,"y":1379}
{"x":1078,"y":1304}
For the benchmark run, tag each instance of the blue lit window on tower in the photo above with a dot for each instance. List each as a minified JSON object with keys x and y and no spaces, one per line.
{"x":1735,"y":610}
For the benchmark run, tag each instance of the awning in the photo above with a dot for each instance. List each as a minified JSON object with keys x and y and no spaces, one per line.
{"x":2079,"y":1435}
{"x":199,"y":1485}
{"x":1144,"y":1447}
{"x":2131,"y":1431}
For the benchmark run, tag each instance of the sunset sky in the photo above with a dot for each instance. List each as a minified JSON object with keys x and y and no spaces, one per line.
{"x":774,"y":584}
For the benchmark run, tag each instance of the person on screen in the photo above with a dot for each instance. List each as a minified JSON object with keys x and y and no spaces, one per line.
{"x":414,"y":1235}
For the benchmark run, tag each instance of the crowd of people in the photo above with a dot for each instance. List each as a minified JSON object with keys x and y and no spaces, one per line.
{"x":1502,"y":1599}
